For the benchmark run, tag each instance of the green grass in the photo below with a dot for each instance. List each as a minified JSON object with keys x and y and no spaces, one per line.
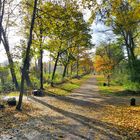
{"x":115,"y":90}
{"x":11,"y":94}
{"x":60,"y":89}
{"x":67,"y":87}
{"x":16,"y":93}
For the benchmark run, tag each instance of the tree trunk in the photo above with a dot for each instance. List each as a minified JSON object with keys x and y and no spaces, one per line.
{"x":130,"y":52}
{"x":27,"y":58}
{"x":10,"y":60}
{"x":54,"y":70}
{"x":77,"y":62}
{"x":132,"y":58}
{"x":18,"y":107}
{"x":68,"y":70}
{"x":49,"y":67}
{"x":65,"y":70}
{"x":28,"y":80}
{"x":49,"y":70}
{"x":41,"y":69}
{"x":71,"y":70}
{"x":77,"y":67}
{"x":41,"y":60}
{"x":2,"y":9}
{"x":108,"y":80}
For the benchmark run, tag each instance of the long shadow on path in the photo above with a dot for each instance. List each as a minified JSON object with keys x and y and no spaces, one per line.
{"x":76,"y":101}
{"x":102,"y":128}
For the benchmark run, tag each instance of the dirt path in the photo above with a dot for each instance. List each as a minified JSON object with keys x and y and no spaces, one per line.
{"x":74,"y":117}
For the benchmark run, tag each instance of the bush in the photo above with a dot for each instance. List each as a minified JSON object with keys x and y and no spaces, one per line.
{"x":35,"y":82}
{"x":7,"y":87}
{"x":132,"y":86}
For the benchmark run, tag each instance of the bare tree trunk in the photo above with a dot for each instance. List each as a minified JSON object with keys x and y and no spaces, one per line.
{"x":27,"y":57}
{"x":77,"y":62}
{"x":28,"y":80}
{"x":2,"y":7}
{"x":6,"y":45}
{"x":50,"y":66}
{"x":10,"y":60}
{"x":41,"y":59}
{"x":54,"y":70}
{"x":68,"y":70}
{"x":49,"y":77}
{"x":77,"y":67}
{"x":71,"y":70}
{"x":129,"y":42}
{"x":65,"y":70}
{"x":41,"y":69}
{"x":108,"y":80}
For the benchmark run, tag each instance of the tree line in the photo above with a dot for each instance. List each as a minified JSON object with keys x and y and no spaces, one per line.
{"x":59,"y":28}
{"x":55,"y":27}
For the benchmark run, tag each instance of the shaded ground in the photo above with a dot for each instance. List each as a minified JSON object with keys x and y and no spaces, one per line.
{"x":79,"y":116}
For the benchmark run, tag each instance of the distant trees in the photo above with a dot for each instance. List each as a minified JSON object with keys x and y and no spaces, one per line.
{"x":107,"y":58}
{"x":58,"y":29}
{"x":45,"y":27}
{"x":124,"y":18}
{"x":60,"y":33}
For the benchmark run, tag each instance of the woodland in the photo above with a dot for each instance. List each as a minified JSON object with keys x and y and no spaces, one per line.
{"x":57,"y":66}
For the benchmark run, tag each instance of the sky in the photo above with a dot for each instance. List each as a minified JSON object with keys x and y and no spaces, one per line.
{"x":97,"y":37}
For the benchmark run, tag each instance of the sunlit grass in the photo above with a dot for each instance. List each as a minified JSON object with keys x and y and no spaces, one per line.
{"x":15,"y":93}
{"x":67,"y":87}
{"x":60,"y":89}
{"x":108,"y":90}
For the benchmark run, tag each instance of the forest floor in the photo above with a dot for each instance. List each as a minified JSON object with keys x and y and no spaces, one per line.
{"x":85,"y":114}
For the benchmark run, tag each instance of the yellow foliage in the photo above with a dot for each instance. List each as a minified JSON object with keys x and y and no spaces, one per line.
{"x":103,"y":64}
{"x":126,"y":15}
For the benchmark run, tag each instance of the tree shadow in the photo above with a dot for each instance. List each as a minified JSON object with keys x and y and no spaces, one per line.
{"x":75,"y":101}
{"x":126,"y":93}
{"x":106,"y":129}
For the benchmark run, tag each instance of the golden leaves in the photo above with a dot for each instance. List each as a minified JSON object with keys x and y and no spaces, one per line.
{"x":103,"y":63}
{"x":125,"y":119}
{"x":10,"y":118}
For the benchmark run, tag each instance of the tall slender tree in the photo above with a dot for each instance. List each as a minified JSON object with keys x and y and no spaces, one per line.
{"x":4,"y":5}
{"x":27,"y":57}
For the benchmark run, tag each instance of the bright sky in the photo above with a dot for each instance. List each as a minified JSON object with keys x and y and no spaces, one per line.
{"x":14,"y":37}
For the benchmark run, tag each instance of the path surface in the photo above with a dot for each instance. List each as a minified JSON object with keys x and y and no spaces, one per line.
{"x":74,"y":117}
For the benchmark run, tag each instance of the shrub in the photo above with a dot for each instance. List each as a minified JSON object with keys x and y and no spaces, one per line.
{"x":134,"y":86}
{"x":7,"y":87}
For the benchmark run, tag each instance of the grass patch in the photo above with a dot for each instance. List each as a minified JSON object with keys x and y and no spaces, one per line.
{"x":60,"y":89}
{"x":67,"y":87}
{"x":16,"y":93}
{"x":11,"y":94}
{"x":115,"y":90}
